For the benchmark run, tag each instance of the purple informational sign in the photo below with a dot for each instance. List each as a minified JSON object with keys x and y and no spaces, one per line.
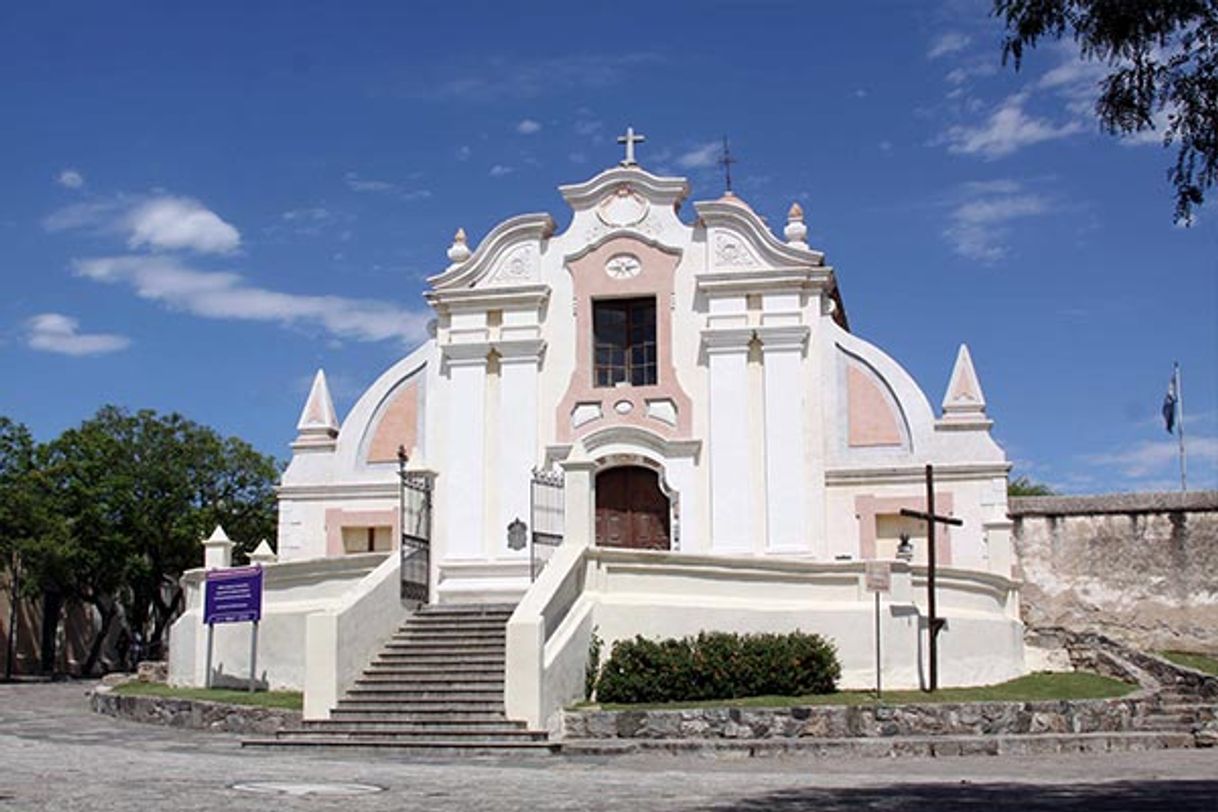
{"x":233,"y":595}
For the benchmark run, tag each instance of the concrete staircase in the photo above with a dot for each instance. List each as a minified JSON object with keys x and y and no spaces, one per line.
{"x":436,"y":687}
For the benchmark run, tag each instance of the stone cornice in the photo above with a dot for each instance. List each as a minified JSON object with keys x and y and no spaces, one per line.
{"x":657,"y":189}
{"x":723,"y":283}
{"x":518,"y":229}
{"x":784,"y":337}
{"x":944,"y":472}
{"x":476,"y":299}
{"x":726,"y":339}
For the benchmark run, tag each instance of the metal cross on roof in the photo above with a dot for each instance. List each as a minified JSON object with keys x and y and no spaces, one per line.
{"x":630,"y":139}
{"x":726,"y":160}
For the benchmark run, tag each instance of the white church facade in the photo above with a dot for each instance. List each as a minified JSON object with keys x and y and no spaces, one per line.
{"x":663,"y":404}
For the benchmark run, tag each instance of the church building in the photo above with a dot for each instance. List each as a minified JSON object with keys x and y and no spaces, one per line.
{"x":657,"y":421}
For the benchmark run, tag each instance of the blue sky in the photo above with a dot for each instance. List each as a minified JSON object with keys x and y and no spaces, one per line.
{"x":200,"y":205}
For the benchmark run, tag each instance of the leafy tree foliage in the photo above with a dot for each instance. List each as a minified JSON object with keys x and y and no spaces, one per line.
{"x":1163,"y":56}
{"x":1024,"y":486}
{"x":132,"y":495}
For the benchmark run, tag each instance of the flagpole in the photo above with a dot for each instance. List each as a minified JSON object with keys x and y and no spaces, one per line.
{"x":1180,"y":430}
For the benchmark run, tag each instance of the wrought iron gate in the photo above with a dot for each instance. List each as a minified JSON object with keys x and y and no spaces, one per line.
{"x":414,"y":510}
{"x":546,"y":508}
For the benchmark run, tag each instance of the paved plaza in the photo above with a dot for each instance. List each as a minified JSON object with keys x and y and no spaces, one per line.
{"x":56,"y":755}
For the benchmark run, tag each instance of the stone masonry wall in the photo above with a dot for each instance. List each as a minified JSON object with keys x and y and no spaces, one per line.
{"x":1141,"y":568}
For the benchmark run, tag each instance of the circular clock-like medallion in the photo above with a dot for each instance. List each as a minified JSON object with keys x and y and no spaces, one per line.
{"x":623,"y":266}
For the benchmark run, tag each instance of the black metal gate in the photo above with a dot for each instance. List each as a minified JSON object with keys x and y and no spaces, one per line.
{"x":414,"y":510}
{"x":547,"y":507}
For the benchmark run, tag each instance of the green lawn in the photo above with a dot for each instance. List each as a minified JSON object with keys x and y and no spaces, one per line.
{"x":1031,"y":688}
{"x":290,"y":700}
{"x":1202,"y":662}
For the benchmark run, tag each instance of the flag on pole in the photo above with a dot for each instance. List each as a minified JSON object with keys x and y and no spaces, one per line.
{"x":1169,"y":405}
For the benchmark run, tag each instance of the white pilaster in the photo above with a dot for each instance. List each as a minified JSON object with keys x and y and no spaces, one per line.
{"x":733,"y":519}
{"x":518,"y":373}
{"x":786,"y":500}
{"x":464,"y":474}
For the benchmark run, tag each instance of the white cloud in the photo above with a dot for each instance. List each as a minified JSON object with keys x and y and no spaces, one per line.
{"x":499,"y":170}
{"x":160,"y":223}
{"x":174,"y":223}
{"x":946,"y":43}
{"x":497,"y":78}
{"x":528,"y":126}
{"x":1158,"y":457}
{"x":357,"y":184}
{"x":588,"y":126}
{"x":463,"y":152}
{"x":55,"y":332}
{"x":1008,"y":129}
{"x":701,"y":156}
{"x":980,"y":220}
{"x":225,"y":295}
{"x":70,"y":179}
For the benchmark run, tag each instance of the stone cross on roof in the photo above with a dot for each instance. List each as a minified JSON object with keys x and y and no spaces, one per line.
{"x":630,"y":139}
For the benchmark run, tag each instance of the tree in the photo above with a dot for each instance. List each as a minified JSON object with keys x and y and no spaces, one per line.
{"x":1163,"y":58}
{"x":1024,"y":486}
{"x":138,"y":492}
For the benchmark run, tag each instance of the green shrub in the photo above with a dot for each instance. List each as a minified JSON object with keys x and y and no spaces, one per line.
{"x":718,"y":665}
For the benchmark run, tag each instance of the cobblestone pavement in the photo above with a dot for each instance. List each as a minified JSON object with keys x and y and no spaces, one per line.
{"x":56,"y":755}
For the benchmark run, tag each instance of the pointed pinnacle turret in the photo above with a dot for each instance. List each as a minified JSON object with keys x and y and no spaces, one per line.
{"x":318,"y":424}
{"x":964,"y":402}
{"x":459,"y":251}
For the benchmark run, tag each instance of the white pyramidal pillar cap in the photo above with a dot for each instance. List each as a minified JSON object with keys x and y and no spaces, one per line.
{"x":263,"y":554}
{"x":318,"y":425}
{"x":964,"y":402}
{"x":796,"y":231}
{"x":459,"y":251}
{"x":217,"y":550}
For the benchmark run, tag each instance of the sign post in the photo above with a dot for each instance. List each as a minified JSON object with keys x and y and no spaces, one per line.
{"x":878,"y":578}
{"x":233,"y":596}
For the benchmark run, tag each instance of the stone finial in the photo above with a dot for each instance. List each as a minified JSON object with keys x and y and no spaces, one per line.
{"x":964,"y":402}
{"x":217,"y":550}
{"x":796,"y":232}
{"x":263,"y":554}
{"x":318,"y":425}
{"x":459,"y":251}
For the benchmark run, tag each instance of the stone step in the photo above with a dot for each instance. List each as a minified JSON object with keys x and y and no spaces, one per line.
{"x":892,"y":746}
{"x":453,"y":626}
{"x":435,"y":747}
{"x":457,"y":682}
{"x":433,"y":686}
{"x":421,"y":706}
{"x":456,"y":637}
{"x":419,"y":722}
{"x":447,"y":647}
{"x":485,"y":734}
{"x":434,"y":658}
{"x":416,"y":716}
{"x":436,"y":671}
{"x":388,"y":693}
{"x":498,"y":611}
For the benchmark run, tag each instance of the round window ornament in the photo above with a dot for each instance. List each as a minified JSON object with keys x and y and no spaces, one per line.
{"x":623,"y":407}
{"x":623,"y":266}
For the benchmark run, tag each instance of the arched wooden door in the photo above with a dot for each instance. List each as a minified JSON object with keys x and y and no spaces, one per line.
{"x":631,"y":510}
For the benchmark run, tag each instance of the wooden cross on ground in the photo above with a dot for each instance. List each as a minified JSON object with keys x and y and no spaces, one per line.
{"x":931,"y":518}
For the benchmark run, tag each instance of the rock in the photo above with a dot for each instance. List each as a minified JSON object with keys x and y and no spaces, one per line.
{"x":1206,"y":735}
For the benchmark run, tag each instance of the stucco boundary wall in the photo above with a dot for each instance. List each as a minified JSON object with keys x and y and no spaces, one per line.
{"x":1139,"y":567}
{"x":192,"y":714}
{"x":618,"y":594}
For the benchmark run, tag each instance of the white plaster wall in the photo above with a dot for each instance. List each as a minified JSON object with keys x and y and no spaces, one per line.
{"x":291,"y":592}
